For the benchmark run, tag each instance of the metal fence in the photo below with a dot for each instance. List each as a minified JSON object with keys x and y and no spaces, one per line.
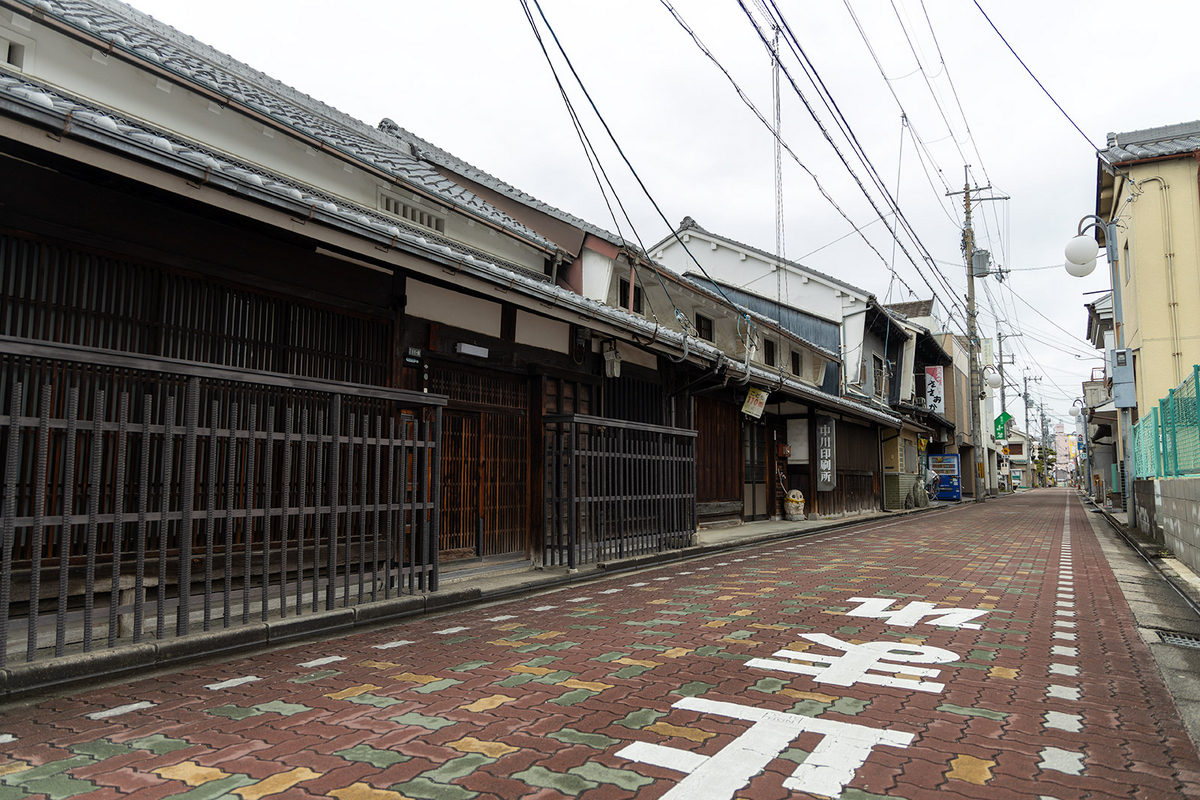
{"x":1166,"y":443}
{"x":616,"y":489}
{"x":145,"y":498}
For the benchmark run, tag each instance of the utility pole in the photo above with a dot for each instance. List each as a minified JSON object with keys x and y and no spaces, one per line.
{"x":968,"y":248}
{"x":1000,"y":337}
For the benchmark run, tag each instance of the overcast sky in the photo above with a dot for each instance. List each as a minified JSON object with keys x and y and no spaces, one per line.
{"x":470,"y":77}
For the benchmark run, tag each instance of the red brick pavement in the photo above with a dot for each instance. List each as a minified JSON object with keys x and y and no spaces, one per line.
{"x":1053,"y":695}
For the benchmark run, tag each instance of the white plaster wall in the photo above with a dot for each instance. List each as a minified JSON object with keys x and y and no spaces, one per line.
{"x":451,"y":308}
{"x":740,"y":268}
{"x":548,"y":334}
{"x":853,"y":331}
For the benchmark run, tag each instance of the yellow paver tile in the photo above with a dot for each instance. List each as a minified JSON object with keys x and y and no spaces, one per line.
{"x":675,"y":652}
{"x":633,"y":662}
{"x":979,"y":591}
{"x":691,"y":734}
{"x":799,"y":695}
{"x":16,"y":766}
{"x":378,"y":664}
{"x":953,"y":599}
{"x":530,"y":670}
{"x":661,"y":602}
{"x":488,"y":703}
{"x":591,"y":686}
{"x":276,"y":783}
{"x":798,"y":647}
{"x":414,"y":678}
{"x":716,"y":623}
{"x":725,"y":597}
{"x":509,"y":643}
{"x":972,"y":770}
{"x":512,"y":626}
{"x":750,"y":642}
{"x":912,"y":640}
{"x":469,"y":744}
{"x":191,"y":773}
{"x":1004,"y":672}
{"x":353,"y":691}
{"x":744,"y":612}
{"x":362,"y":791}
{"x":547,"y":635}
{"x":991,"y":597}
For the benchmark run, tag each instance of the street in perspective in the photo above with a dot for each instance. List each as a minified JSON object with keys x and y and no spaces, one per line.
{"x":975,"y":651}
{"x":550,"y":399}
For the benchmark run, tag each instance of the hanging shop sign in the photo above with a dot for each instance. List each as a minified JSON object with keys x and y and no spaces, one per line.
{"x":756,"y":401}
{"x":935,"y":389}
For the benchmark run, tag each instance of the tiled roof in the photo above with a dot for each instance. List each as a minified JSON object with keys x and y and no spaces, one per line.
{"x":916,"y":308}
{"x":140,"y":35}
{"x":1168,"y":140}
{"x":435,"y":155}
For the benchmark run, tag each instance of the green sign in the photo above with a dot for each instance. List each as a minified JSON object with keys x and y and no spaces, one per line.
{"x":1002,"y":425}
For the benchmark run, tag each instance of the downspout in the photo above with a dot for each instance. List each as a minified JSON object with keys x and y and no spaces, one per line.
{"x":1172,"y":295}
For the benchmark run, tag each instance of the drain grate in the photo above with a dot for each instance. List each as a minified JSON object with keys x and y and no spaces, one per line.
{"x":1179,"y":639}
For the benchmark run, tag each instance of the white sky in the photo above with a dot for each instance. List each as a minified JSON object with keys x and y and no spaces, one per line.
{"x":469,"y":76}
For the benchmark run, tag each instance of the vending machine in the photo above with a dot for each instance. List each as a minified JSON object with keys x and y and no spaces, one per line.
{"x":946,"y":467}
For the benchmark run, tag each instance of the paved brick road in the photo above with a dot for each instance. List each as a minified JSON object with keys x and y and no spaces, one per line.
{"x":808,"y":667}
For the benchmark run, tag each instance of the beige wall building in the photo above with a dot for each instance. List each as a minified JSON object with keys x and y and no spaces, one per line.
{"x":1147,"y":184}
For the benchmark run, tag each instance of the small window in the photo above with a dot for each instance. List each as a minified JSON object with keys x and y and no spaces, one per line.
{"x":797,"y":363}
{"x":877,"y":364}
{"x":768,"y":352}
{"x":623,"y":300}
{"x":704,"y":327}
{"x":12,"y":53}
{"x":1016,"y":449}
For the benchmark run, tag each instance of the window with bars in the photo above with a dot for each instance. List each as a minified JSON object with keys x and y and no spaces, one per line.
{"x":769,"y":355}
{"x":412,"y":212}
{"x":704,"y":327}
{"x":623,"y":298}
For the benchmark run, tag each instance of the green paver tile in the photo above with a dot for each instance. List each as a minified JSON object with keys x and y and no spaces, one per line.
{"x":795,"y":755}
{"x":422,"y":721}
{"x":809,"y":708}
{"x":458,"y":767}
{"x":233,"y":712}
{"x":572,"y":697}
{"x":769,"y":685}
{"x":57,"y":787}
{"x":458,"y":639}
{"x":100,"y":749}
{"x":610,"y":656}
{"x":982,"y":655}
{"x":218,"y":788}
{"x":708,"y":650}
{"x":693,"y":688}
{"x":597,"y":741}
{"x":159,"y":744}
{"x":566,"y":783}
{"x":436,"y":686}
{"x":470,"y":665}
{"x":636,"y":720}
{"x":515,"y":680}
{"x":425,"y":789}
{"x":630,"y":671}
{"x":316,"y":676}
{"x":625,"y":779}
{"x":376,"y":758}
{"x":849,"y":630}
{"x":47,"y":770}
{"x":530,"y":648}
{"x":849,"y":706}
{"x":658,"y":648}
{"x":282,"y":708}
{"x":736,"y":656}
{"x":587,"y":627}
{"x":739,"y":635}
{"x":557,"y":676}
{"x":972,"y":712}
{"x":13,"y":793}
{"x":368,"y":699}
{"x":541,"y":661}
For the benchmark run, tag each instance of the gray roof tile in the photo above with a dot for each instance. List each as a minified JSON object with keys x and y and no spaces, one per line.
{"x":1167,"y":140}
{"x":161,"y":44}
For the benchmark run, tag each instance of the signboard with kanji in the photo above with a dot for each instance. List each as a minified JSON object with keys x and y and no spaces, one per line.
{"x":935,"y":389}
{"x":1002,"y":425}
{"x":826,"y":454}
{"x":756,"y":401}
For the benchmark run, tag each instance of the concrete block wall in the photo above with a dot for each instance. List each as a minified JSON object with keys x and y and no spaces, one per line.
{"x":1177,"y":514}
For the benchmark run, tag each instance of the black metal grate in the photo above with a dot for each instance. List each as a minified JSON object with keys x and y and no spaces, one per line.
{"x":1180,"y":639}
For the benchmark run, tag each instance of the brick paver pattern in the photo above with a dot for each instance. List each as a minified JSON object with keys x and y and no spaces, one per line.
{"x":1052,"y":693}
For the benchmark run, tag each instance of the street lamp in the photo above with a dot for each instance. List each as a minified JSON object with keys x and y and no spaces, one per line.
{"x":1081,"y":254}
{"x":992,"y":376}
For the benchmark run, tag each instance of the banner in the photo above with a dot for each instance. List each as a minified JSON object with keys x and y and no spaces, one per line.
{"x":826,"y":454}
{"x":1002,"y":425}
{"x":935,"y":389}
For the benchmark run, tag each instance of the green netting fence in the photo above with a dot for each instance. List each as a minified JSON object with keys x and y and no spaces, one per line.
{"x":1166,"y":443}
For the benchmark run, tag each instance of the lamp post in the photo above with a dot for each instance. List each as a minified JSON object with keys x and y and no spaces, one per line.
{"x":1078,"y":411}
{"x":1081,"y":254}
